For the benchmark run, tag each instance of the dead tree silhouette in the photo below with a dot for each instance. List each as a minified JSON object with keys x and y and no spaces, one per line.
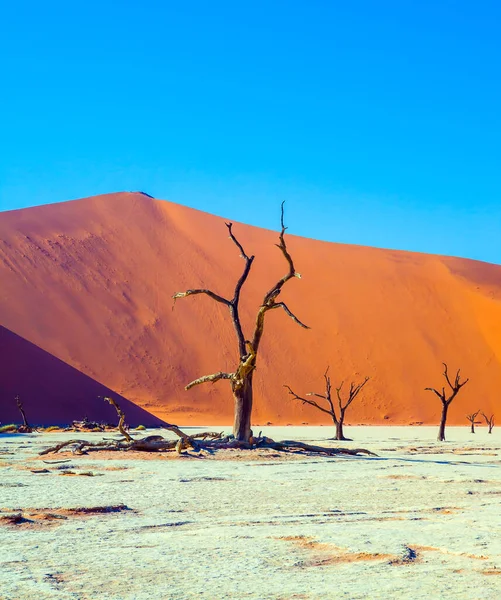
{"x":447,"y":398}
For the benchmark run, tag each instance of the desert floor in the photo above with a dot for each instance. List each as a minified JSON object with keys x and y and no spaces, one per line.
{"x":423,"y":520}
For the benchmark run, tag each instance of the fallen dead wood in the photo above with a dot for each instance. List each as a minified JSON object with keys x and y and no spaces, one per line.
{"x":205,"y":441}
{"x":209,"y":441}
{"x":288,"y":444}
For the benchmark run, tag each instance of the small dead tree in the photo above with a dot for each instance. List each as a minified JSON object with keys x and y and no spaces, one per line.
{"x":447,"y":398}
{"x":25,"y":427}
{"x":489,"y":421}
{"x":338,"y":419}
{"x":241,"y":379}
{"x":471,"y":418}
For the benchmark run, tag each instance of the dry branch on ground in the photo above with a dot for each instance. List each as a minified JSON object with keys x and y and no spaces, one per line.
{"x":208,"y":441}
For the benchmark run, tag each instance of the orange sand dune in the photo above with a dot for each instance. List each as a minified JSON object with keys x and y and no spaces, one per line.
{"x":90,"y":282}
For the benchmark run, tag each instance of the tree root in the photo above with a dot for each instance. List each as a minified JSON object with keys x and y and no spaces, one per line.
{"x":209,"y":441}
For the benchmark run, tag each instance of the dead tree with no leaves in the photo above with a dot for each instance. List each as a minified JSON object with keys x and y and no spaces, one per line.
{"x":471,"y":418}
{"x":241,"y":379}
{"x":25,"y":427}
{"x":353,"y":392}
{"x":489,"y":421}
{"x":446,"y":400}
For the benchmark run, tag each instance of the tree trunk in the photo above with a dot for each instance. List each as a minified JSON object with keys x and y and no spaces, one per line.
{"x":490,"y":428}
{"x":339,"y":428}
{"x":243,"y":409}
{"x":472,"y":430}
{"x":443,"y":419}
{"x":339,"y":431}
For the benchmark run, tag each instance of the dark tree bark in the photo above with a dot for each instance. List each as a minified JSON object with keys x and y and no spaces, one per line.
{"x":329,"y":409}
{"x":443,"y":419}
{"x":446,"y":399}
{"x":25,"y":427}
{"x":471,"y":418}
{"x":489,"y":421}
{"x":241,"y":378}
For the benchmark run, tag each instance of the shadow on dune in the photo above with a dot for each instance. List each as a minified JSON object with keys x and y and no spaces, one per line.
{"x":53,"y":392}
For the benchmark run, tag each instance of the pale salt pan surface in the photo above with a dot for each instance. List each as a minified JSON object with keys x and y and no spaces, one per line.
{"x":262,"y":527}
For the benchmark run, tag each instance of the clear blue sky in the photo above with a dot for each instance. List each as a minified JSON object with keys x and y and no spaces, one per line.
{"x":378,"y":121}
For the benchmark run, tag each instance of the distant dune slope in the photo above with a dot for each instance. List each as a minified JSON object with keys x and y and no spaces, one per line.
{"x":54,"y":393}
{"x":90,"y":282}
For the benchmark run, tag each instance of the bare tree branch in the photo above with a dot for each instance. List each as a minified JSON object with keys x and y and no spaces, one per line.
{"x":355,"y":389}
{"x":212,"y":378}
{"x":121,"y":415}
{"x":440,"y":395}
{"x":291,"y":315}
{"x":317,"y":395}
{"x":457,"y":385}
{"x":472,"y":416}
{"x":271,"y":295}
{"x":306,"y":401}
{"x":275,"y":290}
{"x":243,"y":254}
{"x":234,"y":308}
{"x":328,"y":396}
{"x":212,"y":295}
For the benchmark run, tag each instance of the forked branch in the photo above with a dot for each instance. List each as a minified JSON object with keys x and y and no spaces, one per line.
{"x":275,"y":290}
{"x":455,"y":387}
{"x":269,"y":301}
{"x":308,"y":401}
{"x":471,"y":418}
{"x":489,"y":421}
{"x":355,"y":389}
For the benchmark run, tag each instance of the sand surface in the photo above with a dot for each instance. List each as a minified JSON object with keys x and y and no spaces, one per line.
{"x":421,"y":521}
{"x":90,"y":283}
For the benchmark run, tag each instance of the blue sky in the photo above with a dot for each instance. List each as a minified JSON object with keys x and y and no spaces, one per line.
{"x":378,"y":121}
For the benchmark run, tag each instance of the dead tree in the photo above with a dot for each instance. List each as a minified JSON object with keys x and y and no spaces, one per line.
{"x":447,"y":398}
{"x":25,"y":427}
{"x":471,"y":418}
{"x":241,"y":379}
{"x":338,"y":420}
{"x":489,"y":421}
